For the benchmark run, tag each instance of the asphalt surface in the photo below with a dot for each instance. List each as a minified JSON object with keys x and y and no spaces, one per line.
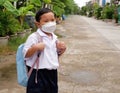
{"x":91,"y":61}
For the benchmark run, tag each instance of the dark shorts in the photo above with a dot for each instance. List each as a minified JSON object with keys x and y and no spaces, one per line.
{"x":46,"y":81}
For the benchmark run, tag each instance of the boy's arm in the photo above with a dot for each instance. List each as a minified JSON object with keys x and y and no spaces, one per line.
{"x":34,"y":48}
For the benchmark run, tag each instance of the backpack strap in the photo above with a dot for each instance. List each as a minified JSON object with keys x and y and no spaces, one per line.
{"x":37,"y":59}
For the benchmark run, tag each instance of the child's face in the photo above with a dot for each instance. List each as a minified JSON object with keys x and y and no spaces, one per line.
{"x":47,"y":17}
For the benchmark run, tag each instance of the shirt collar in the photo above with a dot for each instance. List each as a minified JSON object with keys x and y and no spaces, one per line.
{"x":44,"y":35}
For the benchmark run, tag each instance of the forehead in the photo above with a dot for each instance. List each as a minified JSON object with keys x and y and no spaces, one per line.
{"x":48,"y":15}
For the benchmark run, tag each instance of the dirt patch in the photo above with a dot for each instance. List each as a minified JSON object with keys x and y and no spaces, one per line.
{"x":7,"y":70}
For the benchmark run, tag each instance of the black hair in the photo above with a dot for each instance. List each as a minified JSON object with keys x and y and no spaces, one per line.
{"x":41,"y":12}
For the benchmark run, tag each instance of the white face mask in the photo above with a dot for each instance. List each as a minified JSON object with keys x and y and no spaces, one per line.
{"x":49,"y":27}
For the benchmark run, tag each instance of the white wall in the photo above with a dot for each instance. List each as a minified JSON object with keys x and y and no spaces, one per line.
{"x":108,"y":1}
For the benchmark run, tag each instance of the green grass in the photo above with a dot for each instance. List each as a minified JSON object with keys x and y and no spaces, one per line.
{"x":15,"y":42}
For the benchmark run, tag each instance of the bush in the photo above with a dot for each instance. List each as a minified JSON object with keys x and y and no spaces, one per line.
{"x":8,"y":24}
{"x":83,"y":10}
{"x":98,"y":12}
{"x":108,"y":12}
{"x":14,"y":26}
{"x":3,"y":23}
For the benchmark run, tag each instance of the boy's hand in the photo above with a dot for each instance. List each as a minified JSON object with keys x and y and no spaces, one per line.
{"x":60,"y":47}
{"x":40,"y":46}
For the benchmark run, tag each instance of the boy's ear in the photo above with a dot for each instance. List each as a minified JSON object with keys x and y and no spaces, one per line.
{"x":37,"y":23}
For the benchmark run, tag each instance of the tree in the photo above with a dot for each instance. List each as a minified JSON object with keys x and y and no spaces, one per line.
{"x":69,"y":6}
{"x":27,"y":9}
{"x":22,"y":11}
{"x":83,"y":10}
{"x":108,"y":11}
{"x":58,"y":7}
{"x":8,"y":6}
{"x":65,"y":6}
{"x":7,"y":19}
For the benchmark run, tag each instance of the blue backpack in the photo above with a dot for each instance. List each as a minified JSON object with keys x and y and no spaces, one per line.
{"x":22,"y":76}
{"x":22,"y":73}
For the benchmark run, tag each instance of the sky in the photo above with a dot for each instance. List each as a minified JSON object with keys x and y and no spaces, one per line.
{"x":81,"y":3}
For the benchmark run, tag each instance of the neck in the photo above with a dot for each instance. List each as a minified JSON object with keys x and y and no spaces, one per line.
{"x":49,"y":34}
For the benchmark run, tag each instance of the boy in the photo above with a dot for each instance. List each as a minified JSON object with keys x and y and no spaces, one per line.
{"x":49,"y":48}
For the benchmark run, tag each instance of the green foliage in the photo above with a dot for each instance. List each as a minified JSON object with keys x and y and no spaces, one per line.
{"x":2,"y":33}
{"x":76,"y":9}
{"x":2,"y":2}
{"x":58,"y":7}
{"x":70,"y":6}
{"x":58,"y":3}
{"x":64,"y":6}
{"x":24,"y":10}
{"x":25,"y":25}
{"x":96,"y":9}
{"x":12,"y":46}
{"x":47,"y":1}
{"x":108,"y":12}
{"x":8,"y":24}
{"x":8,"y":5}
{"x":14,"y":26}
{"x":83,"y":10}
{"x":90,"y":11}
{"x":36,"y":3}
{"x":97,"y":12}
{"x":58,"y":11}
{"x":15,"y":42}
{"x":3,"y":23}
{"x":13,"y":0}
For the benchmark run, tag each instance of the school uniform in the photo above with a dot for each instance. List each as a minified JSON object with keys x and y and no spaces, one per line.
{"x":47,"y":67}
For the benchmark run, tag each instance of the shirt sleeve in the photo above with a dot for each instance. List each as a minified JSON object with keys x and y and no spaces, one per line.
{"x":31,"y":40}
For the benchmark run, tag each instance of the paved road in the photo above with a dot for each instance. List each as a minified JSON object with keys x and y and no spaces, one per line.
{"x":91,"y":61}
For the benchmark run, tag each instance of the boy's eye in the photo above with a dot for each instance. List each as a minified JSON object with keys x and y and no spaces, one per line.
{"x":53,"y":20}
{"x":49,"y":20}
{"x":46,"y":21}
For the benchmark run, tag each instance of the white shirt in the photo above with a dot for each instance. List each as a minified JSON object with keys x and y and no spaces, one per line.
{"x":48,"y":58}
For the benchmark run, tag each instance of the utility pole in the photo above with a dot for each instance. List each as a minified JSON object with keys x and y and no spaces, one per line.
{"x":115,"y":11}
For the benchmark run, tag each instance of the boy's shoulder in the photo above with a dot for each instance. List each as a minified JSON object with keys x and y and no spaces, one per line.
{"x":33,"y":35}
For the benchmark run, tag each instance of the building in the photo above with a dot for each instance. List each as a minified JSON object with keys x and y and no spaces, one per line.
{"x":95,"y":1}
{"x":101,"y":2}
